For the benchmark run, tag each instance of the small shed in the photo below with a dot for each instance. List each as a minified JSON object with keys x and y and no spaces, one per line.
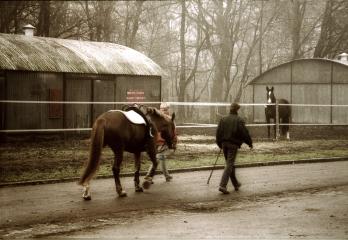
{"x":49,"y":69}
{"x":305,"y":81}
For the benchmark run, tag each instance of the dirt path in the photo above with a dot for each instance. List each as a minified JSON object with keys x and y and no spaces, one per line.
{"x":43,"y":210}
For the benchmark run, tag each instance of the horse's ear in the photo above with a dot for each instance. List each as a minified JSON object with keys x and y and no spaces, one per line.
{"x":272,"y":88}
{"x":267,"y":88}
{"x":173,"y":116}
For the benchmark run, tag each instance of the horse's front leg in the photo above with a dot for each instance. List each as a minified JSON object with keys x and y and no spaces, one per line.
{"x":137,"y":172}
{"x":151,"y":151}
{"x":116,"y":171}
{"x":268,"y":121}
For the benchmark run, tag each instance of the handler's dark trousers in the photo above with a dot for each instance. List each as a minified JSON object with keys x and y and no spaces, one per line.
{"x":230,"y":153}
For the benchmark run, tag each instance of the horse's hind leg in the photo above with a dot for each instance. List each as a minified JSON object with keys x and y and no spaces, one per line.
{"x":116,"y":171}
{"x":151,"y":173}
{"x":286,"y":128}
{"x":86,"y":193}
{"x":137,"y":172}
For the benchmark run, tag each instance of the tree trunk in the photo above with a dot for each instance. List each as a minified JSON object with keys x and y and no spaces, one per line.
{"x":182,"y":81}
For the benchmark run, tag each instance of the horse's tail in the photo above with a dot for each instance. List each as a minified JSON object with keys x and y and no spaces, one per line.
{"x":97,"y":142}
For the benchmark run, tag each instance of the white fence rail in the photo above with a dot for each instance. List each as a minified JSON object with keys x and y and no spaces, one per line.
{"x":178,"y":104}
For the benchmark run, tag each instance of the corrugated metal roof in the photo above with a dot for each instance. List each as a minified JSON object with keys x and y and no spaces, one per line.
{"x":19,"y":52}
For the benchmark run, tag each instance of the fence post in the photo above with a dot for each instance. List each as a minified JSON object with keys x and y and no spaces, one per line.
{"x":277,"y":122}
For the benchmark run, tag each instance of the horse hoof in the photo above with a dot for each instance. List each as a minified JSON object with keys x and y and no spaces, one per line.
{"x":139,"y":189}
{"x":87,"y":198}
{"x":122,"y":194}
{"x":146,"y":184}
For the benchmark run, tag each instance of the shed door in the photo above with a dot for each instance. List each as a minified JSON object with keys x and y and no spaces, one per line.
{"x":78,"y":115}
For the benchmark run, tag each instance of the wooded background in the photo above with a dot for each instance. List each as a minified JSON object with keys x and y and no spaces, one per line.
{"x":210,"y":49}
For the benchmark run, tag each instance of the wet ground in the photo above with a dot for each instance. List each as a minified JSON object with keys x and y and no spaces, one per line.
{"x":313,"y":214}
{"x":299,"y":201}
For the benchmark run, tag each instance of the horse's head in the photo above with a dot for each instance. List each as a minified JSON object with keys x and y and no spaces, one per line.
{"x":270,"y":95}
{"x":165,"y":125}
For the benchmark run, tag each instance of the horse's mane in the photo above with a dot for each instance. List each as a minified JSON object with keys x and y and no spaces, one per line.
{"x":157,"y":112}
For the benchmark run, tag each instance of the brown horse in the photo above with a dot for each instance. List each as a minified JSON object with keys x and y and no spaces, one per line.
{"x":284,"y":113}
{"x":113,"y":129}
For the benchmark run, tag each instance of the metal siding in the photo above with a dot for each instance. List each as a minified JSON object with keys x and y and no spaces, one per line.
{"x":149,"y":85}
{"x":2,"y":96}
{"x":78,"y":115}
{"x":313,"y":71}
{"x":49,"y":81}
{"x":340,"y":75}
{"x":34,"y":87}
{"x":339,"y":97}
{"x":311,"y":94}
{"x":103,"y":91}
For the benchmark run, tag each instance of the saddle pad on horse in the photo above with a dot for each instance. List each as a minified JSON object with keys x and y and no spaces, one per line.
{"x":132,"y":116}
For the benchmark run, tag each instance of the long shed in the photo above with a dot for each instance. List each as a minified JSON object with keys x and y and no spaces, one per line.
{"x":50,"y":69}
{"x":304,"y":82}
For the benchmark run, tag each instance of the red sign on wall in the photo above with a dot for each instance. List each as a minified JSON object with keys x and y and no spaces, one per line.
{"x":135,"y":95}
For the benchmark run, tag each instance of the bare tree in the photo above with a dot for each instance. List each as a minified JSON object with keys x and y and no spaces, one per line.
{"x":43,"y":25}
{"x":334,"y":30}
{"x":14,"y":14}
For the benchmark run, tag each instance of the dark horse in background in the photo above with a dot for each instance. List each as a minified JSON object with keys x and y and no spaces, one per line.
{"x":113,"y":129}
{"x":284,"y":113}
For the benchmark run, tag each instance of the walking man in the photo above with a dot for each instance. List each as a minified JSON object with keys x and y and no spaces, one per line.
{"x":162,"y":148}
{"x":231,"y":133}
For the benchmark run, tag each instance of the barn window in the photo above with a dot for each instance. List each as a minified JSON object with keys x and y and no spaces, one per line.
{"x":55,"y":110}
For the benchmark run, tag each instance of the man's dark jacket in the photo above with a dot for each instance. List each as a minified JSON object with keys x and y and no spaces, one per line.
{"x":232,"y":129}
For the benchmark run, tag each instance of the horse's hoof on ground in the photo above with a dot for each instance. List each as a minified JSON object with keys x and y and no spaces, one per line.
{"x":87,"y":198}
{"x":139,"y":189}
{"x":122,"y":194}
{"x":146,"y":184}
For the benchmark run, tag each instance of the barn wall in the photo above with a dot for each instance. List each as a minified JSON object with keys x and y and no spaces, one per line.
{"x":138,"y":89}
{"x":339,"y":97}
{"x":340,"y":75}
{"x":34,"y":86}
{"x":38,"y":86}
{"x":311,"y":94}
{"x":104,"y":90}
{"x":314,"y":81}
{"x":314,"y":71}
{"x":78,"y":88}
{"x":2,"y":96}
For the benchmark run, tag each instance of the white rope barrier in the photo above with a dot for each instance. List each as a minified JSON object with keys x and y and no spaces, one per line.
{"x":179,"y":127}
{"x":216,"y":104}
{"x":71,"y":102}
{"x":186,"y":125}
